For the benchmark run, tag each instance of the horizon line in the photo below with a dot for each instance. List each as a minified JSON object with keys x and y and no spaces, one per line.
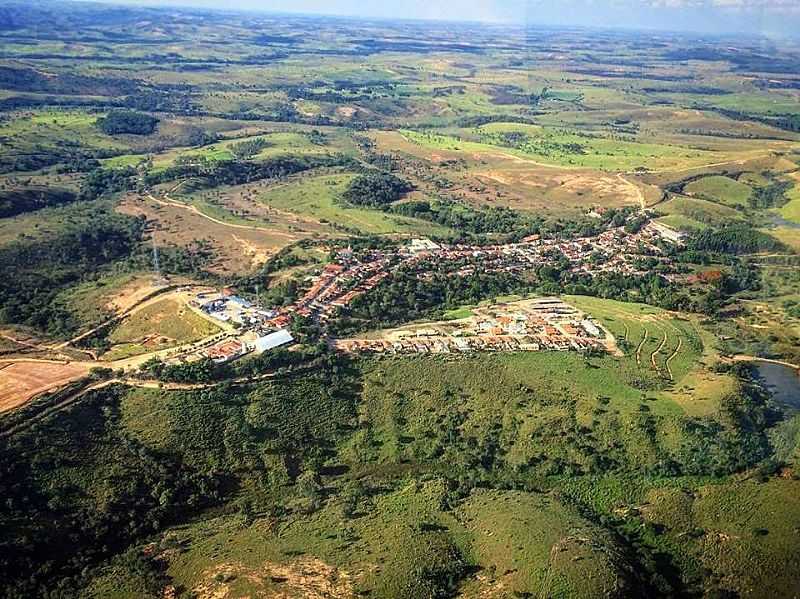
{"x":202,"y":5}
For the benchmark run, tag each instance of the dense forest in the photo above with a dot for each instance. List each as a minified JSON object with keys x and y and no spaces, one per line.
{"x":376,"y":189}
{"x":126,"y":122}
{"x":34,"y":272}
{"x":30,"y":199}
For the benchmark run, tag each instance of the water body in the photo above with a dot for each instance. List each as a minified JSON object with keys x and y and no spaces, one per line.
{"x":783,"y":382}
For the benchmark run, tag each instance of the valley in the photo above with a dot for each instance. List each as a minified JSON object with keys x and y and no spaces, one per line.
{"x":303,"y":306}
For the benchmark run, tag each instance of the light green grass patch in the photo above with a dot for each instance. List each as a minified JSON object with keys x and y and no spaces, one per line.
{"x":163,"y":324}
{"x":563,"y":148}
{"x":320,"y":198}
{"x":723,"y":190}
{"x":791,"y":211}
{"x":698,"y":213}
{"x":459,"y":314}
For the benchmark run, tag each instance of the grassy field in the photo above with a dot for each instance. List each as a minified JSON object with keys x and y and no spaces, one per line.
{"x":48,"y":222}
{"x":392,"y":540}
{"x":59,"y":127}
{"x":320,"y":198}
{"x":239,"y":243}
{"x":521,"y":542}
{"x":382,"y":526}
{"x":95,"y":301}
{"x":676,"y":347}
{"x":163,"y":324}
{"x":565,"y":149}
{"x":791,"y":211}
{"x":689,"y":214}
{"x":763,"y":103}
{"x":281,"y":141}
{"x":498,"y":178}
{"x":458,"y":314}
{"x":744,"y":533}
{"x":722,"y":190}
{"x":787,"y":235}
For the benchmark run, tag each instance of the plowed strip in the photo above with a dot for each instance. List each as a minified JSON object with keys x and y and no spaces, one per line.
{"x":22,"y":381}
{"x":658,"y":351}
{"x":673,"y":356}
{"x":641,"y":345}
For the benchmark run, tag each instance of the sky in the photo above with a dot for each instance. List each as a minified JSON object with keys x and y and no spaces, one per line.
{"x":777,"y":18}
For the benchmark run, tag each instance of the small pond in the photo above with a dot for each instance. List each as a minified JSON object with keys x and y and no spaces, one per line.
{"x":782,"y":381}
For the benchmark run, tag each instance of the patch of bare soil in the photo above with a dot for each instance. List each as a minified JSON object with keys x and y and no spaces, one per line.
{"x":174,"y":225}
{"x":306,"y":578}
{"x":131,"y":294}
{"x":22,"y":381}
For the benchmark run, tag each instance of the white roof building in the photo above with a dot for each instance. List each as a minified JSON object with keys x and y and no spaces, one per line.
{"x":272,"y":341}
{"x":423,"y":245}
{"x":590,"y":328}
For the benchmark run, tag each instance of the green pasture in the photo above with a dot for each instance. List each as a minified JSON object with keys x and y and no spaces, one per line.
{"x":320,"y":198}
{"x":566,"y":149}
{"x":688,"y":213}
{"x":722,"y":190}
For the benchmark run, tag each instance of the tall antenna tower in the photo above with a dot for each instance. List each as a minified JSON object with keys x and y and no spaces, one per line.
{"x":156,"y":266}
{"x":158,"y":278}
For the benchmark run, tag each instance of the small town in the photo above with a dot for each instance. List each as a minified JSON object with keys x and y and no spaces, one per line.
{"x":545,"y":324}
{"x":350,"y":276}
{"x":541,"y":324}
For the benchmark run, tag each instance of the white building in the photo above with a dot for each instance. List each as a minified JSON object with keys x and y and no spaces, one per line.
{"x":418,"y":246}
{"x":272,"y":341}
{"x":590,"y":328}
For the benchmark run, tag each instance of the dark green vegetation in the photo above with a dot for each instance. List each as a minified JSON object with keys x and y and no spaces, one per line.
{"x":31,"y":199}
{"x":444,"y":479}
{"x":132,"y":123}
{"x":34,"y":272}
{"x":736,"y":239}
{"x":247,"y":148}
{"x":376,"y":189}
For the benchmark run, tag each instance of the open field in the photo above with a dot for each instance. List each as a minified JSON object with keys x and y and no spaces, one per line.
{"x":676,"y":347}
{"x":574,"y":151}
{"x":98,"y":300}
{"x":160,"y":325}
{"x":497,"y":178}
{"x":722,"y":190}
{"x":320,"y":198}
{"x":686,"y":213}
{"x":235,"y":248}
{"x":521,"y":541}
{"x":21,"y":381}
{"x":278,"y":140}
{"x":749,"y":531}
{"x":791,"y":211}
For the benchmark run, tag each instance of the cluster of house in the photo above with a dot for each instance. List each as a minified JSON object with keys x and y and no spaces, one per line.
{"x":542,"y":324}
{"x":257,"y":329}
{"x":612,"y":251}
{"x":340,"y":283}
{"x":337,"y":286}
{"x":349,"y":276}
{"x":249,"y":325}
